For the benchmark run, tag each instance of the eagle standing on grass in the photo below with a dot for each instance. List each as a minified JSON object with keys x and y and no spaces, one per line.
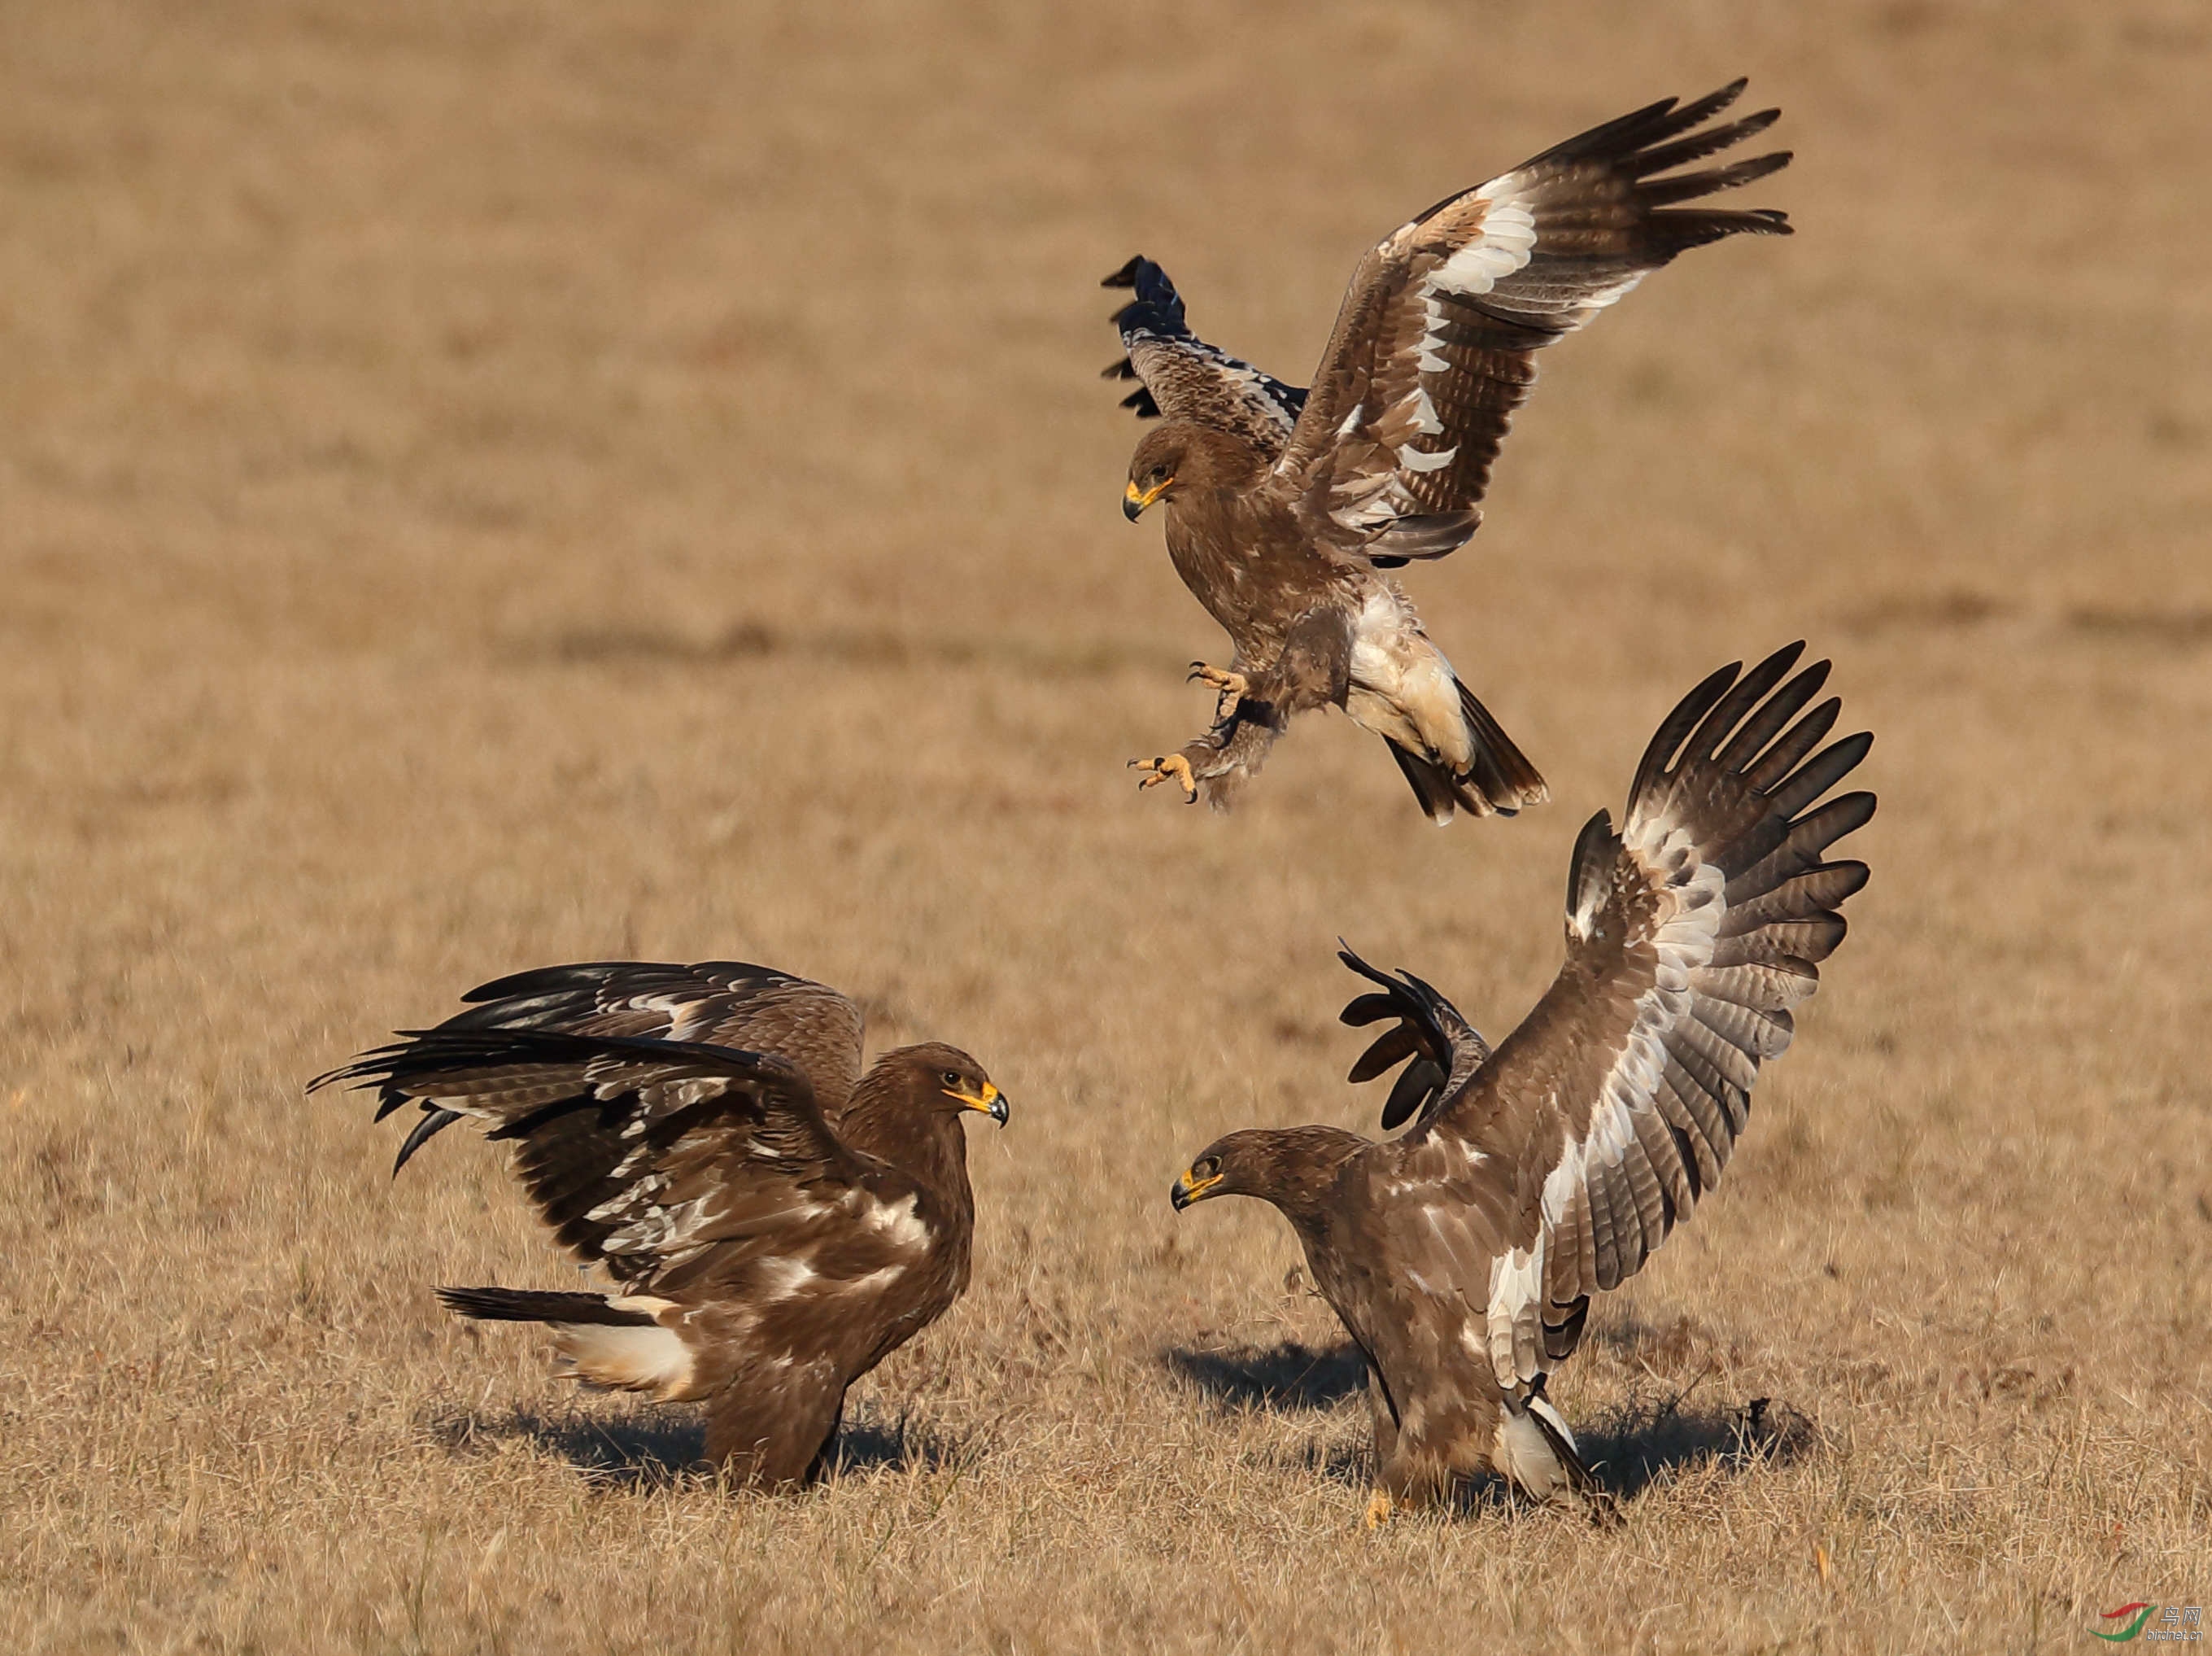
{"x":1461,"y":1255}
{"x":779,"y":1221}
{"x":1286,"y":507}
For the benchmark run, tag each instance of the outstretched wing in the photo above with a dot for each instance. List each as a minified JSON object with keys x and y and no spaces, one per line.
{"x":1445,"y":1048}
{"x":732,"y":1003}
{"x":644,"y":1156}
{"x":1182,"y":377}
{"x":1434,"y":345}
{"x":1598,"y":1123}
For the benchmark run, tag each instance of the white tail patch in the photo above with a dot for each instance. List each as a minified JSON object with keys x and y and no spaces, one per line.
{"x":1520,"y":1450}
{"x":1402,"y":687}
{"x":633,"y":1359}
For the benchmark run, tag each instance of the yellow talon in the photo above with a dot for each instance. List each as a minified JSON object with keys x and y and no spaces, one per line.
{"x":1378,"y":1509}
{"x":1160,"y":769}
{"x":1231,"y":688}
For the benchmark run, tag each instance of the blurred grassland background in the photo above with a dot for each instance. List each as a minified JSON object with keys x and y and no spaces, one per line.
{"x":484,"y":485}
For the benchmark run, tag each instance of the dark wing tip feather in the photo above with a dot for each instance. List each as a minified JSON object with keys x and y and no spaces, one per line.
{"x":1700,"y":110}
{"x":1850,"y":875}
{"x":1157,"y":307}
{"x":1744,"y":697}
{"x":1429,"y":1032}
{"x":1753,"y":748}
{"x":1675,"y":730}
{"x":1695,"y":146}
{"x":1393,"y":1047}
{"x":1365,"y":1009}
{"x":433,"y":1123}
{"x":1350,"y":956}
{"x":1688,"y":187}
{"x":373,"y":1066}
{"x":1422,"y":1079}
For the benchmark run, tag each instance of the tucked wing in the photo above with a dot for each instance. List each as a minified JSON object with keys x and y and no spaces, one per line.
{"x":1445,"y":1048}
{"x":1182,"y":377}
{"x":1600,"y":1122}
{"x":732,"y":1003}
{"x":646,"y":1156}
{"x":1434,"y":345}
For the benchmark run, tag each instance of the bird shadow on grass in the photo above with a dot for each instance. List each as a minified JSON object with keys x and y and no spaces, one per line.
{"x":1627,"y":1451}
{"x":1642,"y":1441}
{"x":1277,"y":1377}
{"x":668,"y":1449}
{"x":632,"y":1450}
{"x":1636,"y":1444}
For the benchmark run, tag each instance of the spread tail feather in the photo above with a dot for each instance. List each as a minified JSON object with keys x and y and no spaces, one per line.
{"x":1498,"y":779}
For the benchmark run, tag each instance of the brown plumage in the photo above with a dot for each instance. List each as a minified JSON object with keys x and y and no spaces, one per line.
{"x":1286,"y":507}
{"x":778,"y":1221}
{"x":1461,"y":1255}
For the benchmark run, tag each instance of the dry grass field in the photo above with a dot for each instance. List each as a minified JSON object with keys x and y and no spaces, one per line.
{"x":485,"y":485}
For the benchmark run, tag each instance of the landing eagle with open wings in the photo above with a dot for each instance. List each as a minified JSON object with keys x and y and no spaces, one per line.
{"x":1461,"y":1255}
{"x":1286,"y":506}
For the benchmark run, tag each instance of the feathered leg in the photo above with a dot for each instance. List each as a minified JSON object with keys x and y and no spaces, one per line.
{"x":773,"y":1427}
{"x":1312,"y":671}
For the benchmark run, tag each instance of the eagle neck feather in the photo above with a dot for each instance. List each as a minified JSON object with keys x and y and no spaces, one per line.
{"x":1298,"y":1171}
{"x":928,"y":1144}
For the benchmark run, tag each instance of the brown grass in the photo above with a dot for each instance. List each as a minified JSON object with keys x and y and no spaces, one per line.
{"x":495,"y":484}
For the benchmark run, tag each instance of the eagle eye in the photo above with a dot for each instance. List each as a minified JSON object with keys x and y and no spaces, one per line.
{"x":1207,"y":1167}
{"x":951,"y":1078}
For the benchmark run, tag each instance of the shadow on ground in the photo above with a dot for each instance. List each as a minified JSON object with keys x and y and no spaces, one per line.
{"x":1642,"y":1442}
{"x":1290,"y":1375}
{"x":668,"y":1448}
{"x":1639,"y":1443}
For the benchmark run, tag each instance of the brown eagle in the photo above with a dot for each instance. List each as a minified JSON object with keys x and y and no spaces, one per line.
{"x":778,"y":1221}
{"x":1461,"y":1255}
{"x":1286,"y":507}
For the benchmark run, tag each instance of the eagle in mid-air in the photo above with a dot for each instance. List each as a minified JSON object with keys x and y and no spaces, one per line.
{"x":1461,"y":1255}
{"x":777,"y":1220}
{"x":1286,"y":508}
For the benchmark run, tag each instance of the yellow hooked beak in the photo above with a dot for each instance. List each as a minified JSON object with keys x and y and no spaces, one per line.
{"x":1134,"y":500}
{"x":991,"y":1101}
{"x":1191,"y":1188}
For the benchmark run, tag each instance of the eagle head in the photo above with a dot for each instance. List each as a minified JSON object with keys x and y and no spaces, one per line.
{"x":944,"y":1078}
{"x":1293,"y":1167}
{"x":1177,"y":454}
